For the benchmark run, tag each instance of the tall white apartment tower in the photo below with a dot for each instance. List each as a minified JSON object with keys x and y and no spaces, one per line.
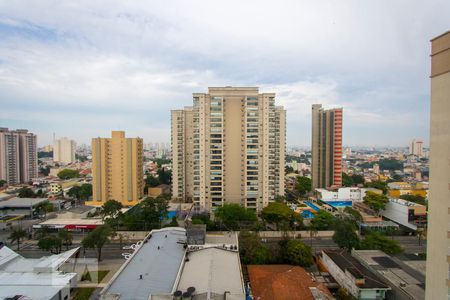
{"x":18,"y":156}
{"x":229,"y":147}
{"x":64,"y":150}
{"x":438,"y":233}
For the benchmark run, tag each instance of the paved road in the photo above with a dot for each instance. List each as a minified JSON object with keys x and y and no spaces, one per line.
{"x":113,"y":251}
{"x":409,"y":243}
{"x":109,"y":251}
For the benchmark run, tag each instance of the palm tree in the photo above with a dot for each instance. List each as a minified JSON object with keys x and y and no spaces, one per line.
{"x":17,"y":235}
{"x":312,"y":233}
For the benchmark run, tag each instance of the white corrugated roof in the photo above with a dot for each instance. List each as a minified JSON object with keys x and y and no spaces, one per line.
{"x":212,"y":269}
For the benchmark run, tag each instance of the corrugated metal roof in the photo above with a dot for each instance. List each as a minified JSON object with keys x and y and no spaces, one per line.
{"x":158,"y":267}
{"x":213,"y":269}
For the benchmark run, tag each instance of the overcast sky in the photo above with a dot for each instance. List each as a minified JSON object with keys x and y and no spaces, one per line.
{"x":83,"y":68}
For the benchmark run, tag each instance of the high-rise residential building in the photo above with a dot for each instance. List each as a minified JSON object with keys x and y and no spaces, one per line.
{"x":229,"y":147}
{"x":438,"y":234}
{"x":117,"y":169}
{"x":416,"y":148}
{"x":18,"y":156}
{"x":326,"y":147}
{"x":64,"y":150}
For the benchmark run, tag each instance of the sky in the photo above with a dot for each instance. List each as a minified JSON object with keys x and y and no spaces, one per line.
{"x":83,"y":68}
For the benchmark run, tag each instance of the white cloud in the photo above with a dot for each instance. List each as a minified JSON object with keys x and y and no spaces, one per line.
{"x":143,"y":58}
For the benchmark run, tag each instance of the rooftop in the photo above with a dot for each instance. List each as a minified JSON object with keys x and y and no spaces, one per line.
{"x":213,"y":269}
{"x":71,"y":221}
{"x":284,"y":282}
{"x":158,"y":261}
{"x":17,"y":202}
{"x":397,"y":273}
{"x":348,"y":263}
{"x":33,"y":278}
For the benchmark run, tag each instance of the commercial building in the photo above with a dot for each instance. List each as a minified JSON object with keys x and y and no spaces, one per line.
{"x":353,"y":276}
{"x":18,"y":156}
{"x":326,"y":147}
{"x":280,"y":282}
{"x":408,"y":214}
{"x":64,"y":150}
{"x":21,"y":206}
{"x":438,"y":238}
{"x":165,"y":266}
{"x":353,"y":194}
{"x":405,"y":282}
{"x":229,"y":147}
{"x":416,"y":148}
{"x":117,"y":169}
{"x":397,"y":189}
{"x":46,"y":278}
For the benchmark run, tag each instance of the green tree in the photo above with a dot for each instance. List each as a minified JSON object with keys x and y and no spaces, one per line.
{"x":111,"y":209}
{"x":151,"y":181}
{"x":414,"y":198}
{"x":298,"y":253}
{"x":322,"y":220}
{"x":164,"y":177}
{"x":66,"y":237}
{"x":17,"y":235}
{"x":251,"y":250}
{"x":26,"y":193}
{"x":155,"y":210}
{"x":303,"y":185}
{"x":75,"y":192}
{"x":288,"y":170}
{"x":2,"y":183}
{"x":352,"y":180}
{"x":390,"y":164}
{"x":278,"y":213}
{"x":375,"y":201}
{"x":50,"y":243}
{"x":378,"y":241}
{"x":346,"y":180}
{"x":345,"y":236}
{"x":233,"y":215}
{"x":357,"y":179}
{"x":97,"y":238}
{"x":86,"y":191}
{"x":43,"y":208}
{"x":68,"y":174}
{"x":353,"y":215}
{"x":377,"y":185}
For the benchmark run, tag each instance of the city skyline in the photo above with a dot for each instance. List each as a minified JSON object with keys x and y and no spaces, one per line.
{"x":111,"y":67}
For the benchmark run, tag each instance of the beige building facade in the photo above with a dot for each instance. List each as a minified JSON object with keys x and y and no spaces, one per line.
{"x":117,"y":169}
{"x":326,"y":147}
{"x":229,"y":147}
{"x":416,"y":147}
{"x":438,"y":234}
{"x":64,"y":150}
{"x":18,"y":156}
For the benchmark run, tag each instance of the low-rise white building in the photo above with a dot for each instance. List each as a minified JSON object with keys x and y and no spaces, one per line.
{"x":406,"y":213}
{"x":45,"y":278}
{"x":353,"y":276}
{"x":344,"y":194}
